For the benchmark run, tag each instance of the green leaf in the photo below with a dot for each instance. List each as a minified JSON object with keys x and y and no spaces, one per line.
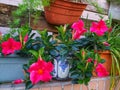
{"x":86,"y":81}
{"x":80,"y":81}
{"x":32,"y":35}
{"x":28,"y":85}
{"x":75,"y":76}
{"x":54,"y":53}
{"x":102,"y":61}
{"x":41,"y":51}
{"x":34,"y":53}
{"x":88,"y":74}
{"x":75,"y":81}
{"x":25,"y":67}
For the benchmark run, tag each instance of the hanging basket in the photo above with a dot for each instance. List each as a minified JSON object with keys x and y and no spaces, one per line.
{"x":63,"y":12}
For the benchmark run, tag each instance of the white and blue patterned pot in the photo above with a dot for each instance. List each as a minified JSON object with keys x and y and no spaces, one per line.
{"x":61,"y":69}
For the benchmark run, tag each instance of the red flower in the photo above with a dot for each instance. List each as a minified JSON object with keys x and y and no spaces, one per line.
{"x":26,"y":38}
{"x":40,"y":71}
{"x":78,"y":29}
{"x":99,"y":28}
{"x":89,"y":60}
{"x":9,"y":46}
{"x":101,"y":71}
{"x":18,"y":81}
{"x":106,"y":44}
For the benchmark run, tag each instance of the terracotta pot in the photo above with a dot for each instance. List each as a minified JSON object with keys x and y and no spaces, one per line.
{"x":63,"y":12}
{"x":107,"y":56}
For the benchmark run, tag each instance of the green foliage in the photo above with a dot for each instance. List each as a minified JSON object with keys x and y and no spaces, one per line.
{"x":81,"y":71}
{"x":26,"y":11}
{"x":35,"y":56}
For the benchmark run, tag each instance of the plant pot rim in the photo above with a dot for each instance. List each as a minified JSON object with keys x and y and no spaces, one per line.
{"x":104,"y":51}
{"x":66,"y":1}
{"x":11,"y":56}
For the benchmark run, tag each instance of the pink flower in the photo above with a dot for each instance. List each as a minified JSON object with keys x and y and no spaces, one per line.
{"x":99,"y":28}
{"x":9,"y":46}
{"x":40,"y":71}
{"x":78,"y":29}
{"x":106,"y":44}
{"x":101,"y":71}
{"x":26,"y":38}
{"x":95,"y":62}
{"x":18,"y":81}
{"x":89,"y":60}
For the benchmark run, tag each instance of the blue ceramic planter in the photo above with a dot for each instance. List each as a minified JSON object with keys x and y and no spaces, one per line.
{"x":11,"y":67}
{"x":61,"y":69}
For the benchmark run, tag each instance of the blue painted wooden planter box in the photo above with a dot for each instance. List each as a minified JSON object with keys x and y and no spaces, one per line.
{"x":11,"y":67}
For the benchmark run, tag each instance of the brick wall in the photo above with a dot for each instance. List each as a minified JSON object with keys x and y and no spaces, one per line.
{"x":94,"y":84}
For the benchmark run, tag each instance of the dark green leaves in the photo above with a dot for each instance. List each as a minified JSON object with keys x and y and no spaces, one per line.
{"x":28,"y":85}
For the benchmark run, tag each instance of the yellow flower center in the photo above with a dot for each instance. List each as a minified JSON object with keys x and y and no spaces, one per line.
{"x":40,"y":71}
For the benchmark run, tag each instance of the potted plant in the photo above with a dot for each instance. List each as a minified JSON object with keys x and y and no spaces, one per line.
{"x":64,"y":51}
{"x":38,"y":69}
{"x":61,"y":12}
{"x":83,"y":67}
{"x":29,"y":10}
{"x":104,"y":41}
{"x":14,"y":53}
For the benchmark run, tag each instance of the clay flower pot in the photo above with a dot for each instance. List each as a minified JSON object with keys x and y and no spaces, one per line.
{"x":107,"y":56}
{"x":63,"y":12}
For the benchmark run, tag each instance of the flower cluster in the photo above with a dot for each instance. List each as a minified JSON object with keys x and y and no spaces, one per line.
{"x":10,"y":46}
{"x":78,"y":29}
{"x":17,"y":40}
{"x":81,"y":45}
{"x":85,"y":65}
{"x":40,"y":71}
{"x":99,"y":28}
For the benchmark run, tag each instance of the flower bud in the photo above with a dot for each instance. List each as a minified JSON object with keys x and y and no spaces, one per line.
{"x":106,"y":44}
{"x":89,"y":60}
{"x":18,"y":81}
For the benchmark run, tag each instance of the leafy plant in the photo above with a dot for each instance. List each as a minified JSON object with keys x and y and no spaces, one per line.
{"x":83,"y":66}
{"x":115,"y":52}
{"x":37,"y":70}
